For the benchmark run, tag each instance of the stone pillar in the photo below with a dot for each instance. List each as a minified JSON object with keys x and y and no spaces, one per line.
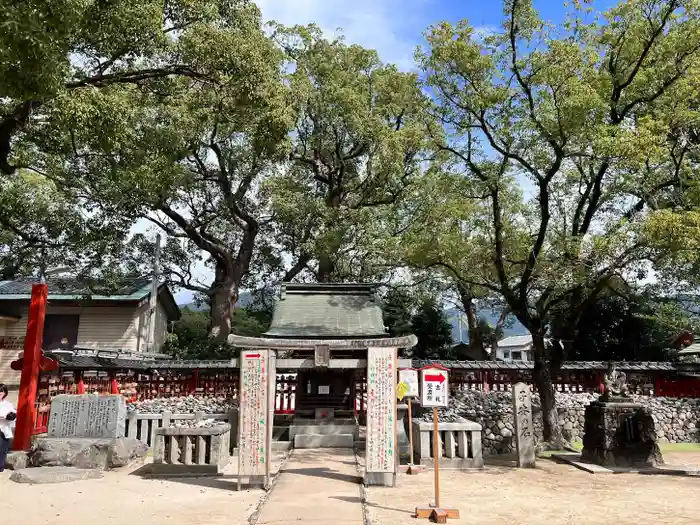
{"x":524,"y":428}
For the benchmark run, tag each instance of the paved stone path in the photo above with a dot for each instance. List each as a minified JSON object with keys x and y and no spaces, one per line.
{"x":315,"y":486}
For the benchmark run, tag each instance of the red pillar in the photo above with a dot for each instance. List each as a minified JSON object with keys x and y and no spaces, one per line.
{"x":113,"y":385}
{"x":195,"y":381}
{"x":79,"y":383}
{"x":26,"y":408}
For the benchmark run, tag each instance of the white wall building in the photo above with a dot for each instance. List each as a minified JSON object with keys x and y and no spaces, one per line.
{"x":515,"y":348}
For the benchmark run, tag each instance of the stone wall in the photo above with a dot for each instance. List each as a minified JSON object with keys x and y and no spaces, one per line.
{"x":677,"y":420}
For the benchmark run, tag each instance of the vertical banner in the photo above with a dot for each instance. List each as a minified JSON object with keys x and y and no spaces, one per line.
{"x":271,"y":397}
{"x":381,"y":410}
{"x":253,"y":410}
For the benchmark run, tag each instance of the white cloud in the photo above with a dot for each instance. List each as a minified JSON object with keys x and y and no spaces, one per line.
{"x":392,"y":27}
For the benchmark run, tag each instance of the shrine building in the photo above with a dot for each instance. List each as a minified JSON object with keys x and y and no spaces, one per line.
{"x":323,"y":333}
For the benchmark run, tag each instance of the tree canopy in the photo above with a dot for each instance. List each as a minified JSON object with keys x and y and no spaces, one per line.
{"x":560,"y":149}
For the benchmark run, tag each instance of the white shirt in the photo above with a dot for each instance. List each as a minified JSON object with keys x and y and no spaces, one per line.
{"x":6,"y":427}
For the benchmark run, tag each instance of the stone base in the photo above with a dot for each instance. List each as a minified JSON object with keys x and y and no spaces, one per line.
{"x":16,"y":461}
{"x":336,"y":426}
{"x":45,"y":475}
{"x":620,"y":434}
{"x":454,"y":463}
{"x":379,"y":479}
{"x":324,"y":441}
{"x":169,"y":470}
{"x":85,"y":453}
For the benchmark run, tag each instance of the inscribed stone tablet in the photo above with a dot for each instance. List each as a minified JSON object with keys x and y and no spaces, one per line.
{"x":524,"y":428}
{"x":381,"y":410}
{"x":87,"y":416}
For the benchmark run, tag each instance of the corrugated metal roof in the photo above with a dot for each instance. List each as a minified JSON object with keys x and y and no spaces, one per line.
{"x":327,"y":310}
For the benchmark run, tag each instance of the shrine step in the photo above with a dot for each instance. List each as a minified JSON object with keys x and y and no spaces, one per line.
{"x":324,"y":441}
{"x":324,"y":429}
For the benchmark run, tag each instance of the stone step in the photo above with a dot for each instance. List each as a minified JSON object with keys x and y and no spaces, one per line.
{"x":324,"y":441}
{"x":326,"y":429}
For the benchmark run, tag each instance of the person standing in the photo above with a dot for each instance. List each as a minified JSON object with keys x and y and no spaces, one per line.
{"x":7,"y":425}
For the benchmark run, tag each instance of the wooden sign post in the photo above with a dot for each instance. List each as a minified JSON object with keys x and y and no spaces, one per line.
{"x":255,"y":413}
{"x":435,"y":393}
{"x":409,"y":377}
{"x":381,"y":450}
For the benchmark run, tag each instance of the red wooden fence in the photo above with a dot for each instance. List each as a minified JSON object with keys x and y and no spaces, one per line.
{"x":224,"y":383}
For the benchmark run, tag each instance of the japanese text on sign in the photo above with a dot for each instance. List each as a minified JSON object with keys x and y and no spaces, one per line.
{"x":434,"y":387}
{"x":524,"y":430}
{"x":252,"y":443}
{"x":381,"y":409}
{"x":410,"y":377}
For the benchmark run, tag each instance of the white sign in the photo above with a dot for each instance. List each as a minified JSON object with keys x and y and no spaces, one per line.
{"x":253,"y":413}
{"x":380,"y":451}
{"x":324,"y":389}
{"x":410,"y":378}
{"x":434,"y":387}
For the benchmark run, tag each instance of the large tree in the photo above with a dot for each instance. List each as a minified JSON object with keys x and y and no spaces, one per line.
{"x":580,"y":115}
{"x":359,"y":140}
{"x":187,"y":153}
{"x":54,"y":50}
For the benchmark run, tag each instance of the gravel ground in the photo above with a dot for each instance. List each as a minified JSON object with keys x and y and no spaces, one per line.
{"x":121,"y":497}
{"x":551,"y":494}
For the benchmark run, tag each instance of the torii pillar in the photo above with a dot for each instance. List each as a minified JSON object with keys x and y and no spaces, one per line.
{"x":31,"y":362}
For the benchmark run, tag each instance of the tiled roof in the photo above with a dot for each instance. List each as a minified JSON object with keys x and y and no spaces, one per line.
{"x":691,"y":350}
{"x":571,"y":365}
{"x":327,"y":310}
{"x":72,"y":288}
{"x":515,"y":340}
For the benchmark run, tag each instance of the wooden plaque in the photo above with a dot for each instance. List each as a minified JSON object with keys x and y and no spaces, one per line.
{"x":322,"y":356}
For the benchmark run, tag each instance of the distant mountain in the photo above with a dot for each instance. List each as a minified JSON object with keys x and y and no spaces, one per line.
{"x":513,"y":326}
{"x":243,"y":300}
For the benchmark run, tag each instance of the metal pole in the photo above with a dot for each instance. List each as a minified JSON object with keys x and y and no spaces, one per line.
{"x":153,"y":303}
{"x":410,"y":430}
{"x":436,"y":457}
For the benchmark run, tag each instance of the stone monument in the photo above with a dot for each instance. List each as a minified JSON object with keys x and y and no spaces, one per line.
{"x":618,"y":431}
{"x":87,"y":416}
{"x":86,"y":431}
{"x":524,"y":428}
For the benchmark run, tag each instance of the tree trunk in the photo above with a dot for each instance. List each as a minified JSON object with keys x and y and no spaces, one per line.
{"x":466,"y":298}
{"x":542,"y":377}
{"x":498,"y":331}
{"x":325,"y":268}
{"x":223,"y":297}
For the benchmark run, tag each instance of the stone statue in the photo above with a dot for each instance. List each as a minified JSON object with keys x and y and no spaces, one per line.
{"x":615,"y":384}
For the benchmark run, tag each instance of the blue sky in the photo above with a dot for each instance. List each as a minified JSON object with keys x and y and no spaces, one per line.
{"x":396,"y":27}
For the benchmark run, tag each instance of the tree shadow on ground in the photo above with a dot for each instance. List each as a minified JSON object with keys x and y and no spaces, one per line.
{"x":221,"y":482}
{"x":323,"y":472}
{"x":357,"y":499}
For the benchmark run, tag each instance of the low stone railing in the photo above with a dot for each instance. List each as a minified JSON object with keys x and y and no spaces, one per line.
{"x":460,"y":444}
{"x":194,"y":451}
{"x":144,"y":426}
